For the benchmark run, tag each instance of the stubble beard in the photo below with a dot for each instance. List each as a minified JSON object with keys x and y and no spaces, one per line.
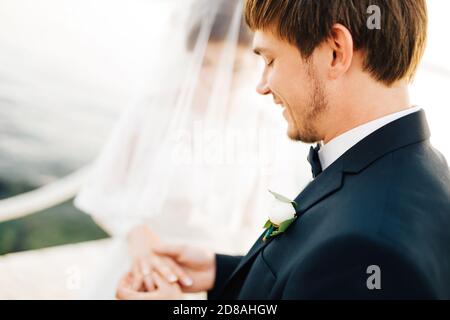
{"x":306,"y":126}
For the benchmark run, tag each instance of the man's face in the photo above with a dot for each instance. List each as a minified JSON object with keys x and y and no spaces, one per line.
{"x":294,"y":84}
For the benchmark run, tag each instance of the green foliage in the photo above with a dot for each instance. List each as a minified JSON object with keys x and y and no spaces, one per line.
{"x":284,"y":225}
{"x":8,"y":189}
{"x":59,"y":225}
{"x":268,"y":224}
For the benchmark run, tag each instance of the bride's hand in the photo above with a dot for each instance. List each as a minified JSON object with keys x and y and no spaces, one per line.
{"x":142,"y":240}
{"x":144,"y":266}
{"x":163,"y":290}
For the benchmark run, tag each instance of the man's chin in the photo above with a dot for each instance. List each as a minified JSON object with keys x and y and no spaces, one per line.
{"x":296,"y":135}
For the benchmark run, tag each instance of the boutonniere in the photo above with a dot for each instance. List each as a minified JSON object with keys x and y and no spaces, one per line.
{"x":282,"y":214}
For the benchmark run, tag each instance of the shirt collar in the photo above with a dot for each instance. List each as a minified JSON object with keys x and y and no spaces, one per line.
{"x":335,"y":148}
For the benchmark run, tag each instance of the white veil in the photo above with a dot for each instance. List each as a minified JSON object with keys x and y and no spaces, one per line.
{"x":200,"y":151}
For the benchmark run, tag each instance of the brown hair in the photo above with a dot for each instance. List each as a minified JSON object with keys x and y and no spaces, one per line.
{"x":391,"y":53}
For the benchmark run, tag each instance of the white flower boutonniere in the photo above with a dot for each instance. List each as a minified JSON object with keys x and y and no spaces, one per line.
{"x":282,"y":215}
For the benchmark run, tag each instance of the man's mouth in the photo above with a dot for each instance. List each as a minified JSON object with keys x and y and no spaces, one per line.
{"x":278,"y":102}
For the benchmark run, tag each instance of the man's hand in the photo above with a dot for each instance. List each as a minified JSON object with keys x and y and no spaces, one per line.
{"x":198,"y":264}
{"x":163,"y":290}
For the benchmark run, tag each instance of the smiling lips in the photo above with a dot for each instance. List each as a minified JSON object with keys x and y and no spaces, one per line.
{"x":277,"y":102}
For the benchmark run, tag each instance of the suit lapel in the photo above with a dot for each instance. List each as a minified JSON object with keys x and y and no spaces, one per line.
{"x":404,"y":131}
{"x":323,"y":186}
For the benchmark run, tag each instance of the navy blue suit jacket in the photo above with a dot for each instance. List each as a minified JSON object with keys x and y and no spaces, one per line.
{"x":384,"y":203}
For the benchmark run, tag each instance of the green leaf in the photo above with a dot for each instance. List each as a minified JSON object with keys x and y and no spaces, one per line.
{"x":281,"y":198}
{"x":285,"y":224}
{"x":268,"y":224}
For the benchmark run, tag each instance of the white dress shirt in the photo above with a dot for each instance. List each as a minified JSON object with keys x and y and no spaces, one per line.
{"x":335,"y":148}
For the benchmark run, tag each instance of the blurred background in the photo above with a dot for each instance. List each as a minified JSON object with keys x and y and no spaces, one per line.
{"x":67,"y":70}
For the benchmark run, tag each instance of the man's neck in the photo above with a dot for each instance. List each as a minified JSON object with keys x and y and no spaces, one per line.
{"x":370,"y":104}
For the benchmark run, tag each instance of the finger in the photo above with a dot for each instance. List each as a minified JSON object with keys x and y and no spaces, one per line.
{"x":145,"y":267}
{"x":127,"y":294}
{"x":162,"y":268}
{"x":166,"y":290}
{"x":149,"y":283}
{"x":170,"y":250}
{"x":124,"y":284}
{"x":120,"y":293}
{"x":185,"y":280}
{"x":137,"y":277}
{"x":136,"y":283}
{"x":159,"y":281}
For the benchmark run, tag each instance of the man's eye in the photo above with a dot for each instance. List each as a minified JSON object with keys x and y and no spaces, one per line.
{"x":270,"y":63}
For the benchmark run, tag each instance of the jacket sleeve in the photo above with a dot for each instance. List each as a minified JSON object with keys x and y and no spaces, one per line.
{"x":225,"y":265}
{"x":356,"y":268}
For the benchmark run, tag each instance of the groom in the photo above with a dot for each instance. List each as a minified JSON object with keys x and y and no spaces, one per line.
{"x":374,"y":223}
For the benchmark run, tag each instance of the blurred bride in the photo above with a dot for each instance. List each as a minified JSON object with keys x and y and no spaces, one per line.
{"x":193,"y":162}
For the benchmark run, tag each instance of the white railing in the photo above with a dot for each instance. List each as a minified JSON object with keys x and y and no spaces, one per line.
{"x":43,"y":198}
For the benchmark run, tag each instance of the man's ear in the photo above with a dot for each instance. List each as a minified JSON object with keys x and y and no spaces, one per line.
{"x":341,"y":47}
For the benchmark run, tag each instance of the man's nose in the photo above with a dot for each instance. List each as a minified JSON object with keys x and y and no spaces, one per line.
{"x":262,"y":87}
